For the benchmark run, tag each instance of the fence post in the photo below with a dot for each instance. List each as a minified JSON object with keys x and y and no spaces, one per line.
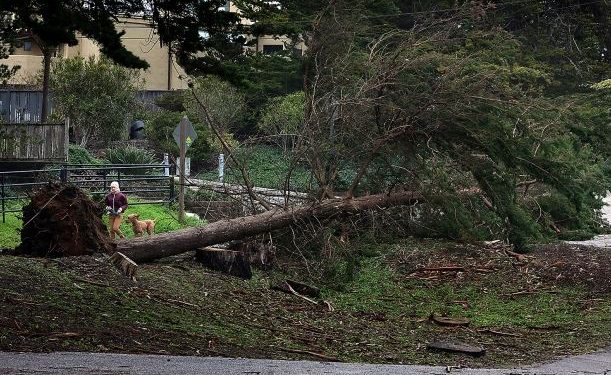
{"x":63,"y":174}
{"x":171,"y":191}
{"x":3,"y":207}
{"x":67,"y":139}
{"x":166,"y":161}
{"x":221,"y":167}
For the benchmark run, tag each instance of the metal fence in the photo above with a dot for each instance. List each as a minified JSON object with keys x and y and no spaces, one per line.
{"x":152,"y":183}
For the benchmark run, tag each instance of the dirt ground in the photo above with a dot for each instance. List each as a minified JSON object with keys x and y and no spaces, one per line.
{"x":178,"y":307}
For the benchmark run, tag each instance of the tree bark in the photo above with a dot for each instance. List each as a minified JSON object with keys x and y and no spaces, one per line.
{"x":143,"y":249}
{"x":45,"y":84}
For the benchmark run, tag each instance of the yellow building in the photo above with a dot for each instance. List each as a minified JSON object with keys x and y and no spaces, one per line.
{"x":139,"y":38}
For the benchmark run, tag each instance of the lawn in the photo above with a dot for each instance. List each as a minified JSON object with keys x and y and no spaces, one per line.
{"x":555,"y":303}
{"x":166,"y":221}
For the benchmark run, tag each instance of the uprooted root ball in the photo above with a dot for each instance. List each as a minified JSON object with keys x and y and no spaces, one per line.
{"x":61,"y":220}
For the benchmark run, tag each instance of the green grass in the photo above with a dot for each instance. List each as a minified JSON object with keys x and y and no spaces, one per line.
{"x":94,"y":308}
{"x":10,"y":230}
{"x":177,"y":307}
{"x":267,"y":167}
{"x":166,"y":221}
{"x":378,"y":288}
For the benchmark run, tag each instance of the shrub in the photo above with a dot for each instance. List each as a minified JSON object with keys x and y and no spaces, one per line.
{"x":173,"y":101}
{"x":267,"y":167}
{"x":130,"y":155}
{"x":225,"y":104}
{"x":96,"y":94}
{"x":282,"y":118}
{"x":160,"y":131}
{"x":79,"y":155}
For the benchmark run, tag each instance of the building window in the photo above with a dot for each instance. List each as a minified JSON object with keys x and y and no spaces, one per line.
{"x":272,"y":48}
{"x":27,"y":45}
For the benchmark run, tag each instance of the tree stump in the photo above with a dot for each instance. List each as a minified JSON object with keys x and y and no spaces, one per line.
{"x":61,"y":220}
{"x":227,"y":261}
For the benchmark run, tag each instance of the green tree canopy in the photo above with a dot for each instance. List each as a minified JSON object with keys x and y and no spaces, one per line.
{"x":187,"y":27}
{"x":453,"y":100}
{"x":97,"y":95}
{"x":8,"y":39}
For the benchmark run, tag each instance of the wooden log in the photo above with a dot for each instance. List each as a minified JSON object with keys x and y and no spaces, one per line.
{"x":149,"y":248}
{"x":125,"y":265}
{"x":227,"y":261}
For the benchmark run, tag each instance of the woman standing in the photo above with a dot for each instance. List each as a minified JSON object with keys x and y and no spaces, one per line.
{"x":116,"y":204}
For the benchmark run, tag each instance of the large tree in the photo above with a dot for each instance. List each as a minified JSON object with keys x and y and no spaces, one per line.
{"x":187,"y":27}
{"x":447,"y":99}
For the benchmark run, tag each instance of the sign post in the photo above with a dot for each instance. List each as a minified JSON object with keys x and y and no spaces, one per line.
{"x":184,"y":135}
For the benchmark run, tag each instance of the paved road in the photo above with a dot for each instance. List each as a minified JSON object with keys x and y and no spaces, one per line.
{"x":122,"y":364}
{"x":598,"y":241}
{"x":604,"y":240}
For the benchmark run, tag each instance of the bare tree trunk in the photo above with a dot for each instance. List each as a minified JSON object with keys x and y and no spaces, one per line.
{"x":144,"y":249}
{"x":45,"y":84}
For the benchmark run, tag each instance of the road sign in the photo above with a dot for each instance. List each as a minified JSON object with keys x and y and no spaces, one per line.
{"x":190,"y":134}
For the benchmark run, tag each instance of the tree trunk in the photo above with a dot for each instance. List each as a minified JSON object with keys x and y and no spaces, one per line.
{"x":227,"y":261}
{"x":143,"y":249}
{"x":45,"y":84}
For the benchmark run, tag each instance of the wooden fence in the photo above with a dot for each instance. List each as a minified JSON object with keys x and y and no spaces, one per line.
{"x":34,"y":142}
{"x":24,"y":105}
{"x":21,"y":106}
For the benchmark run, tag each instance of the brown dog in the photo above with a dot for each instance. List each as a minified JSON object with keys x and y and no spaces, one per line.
{"x":140,"y":226}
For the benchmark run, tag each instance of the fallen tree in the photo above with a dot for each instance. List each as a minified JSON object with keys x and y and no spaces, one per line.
{"x":61,"y":220}
{"x":149,"y":248}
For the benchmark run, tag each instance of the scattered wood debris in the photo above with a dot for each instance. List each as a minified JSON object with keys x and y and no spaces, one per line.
{"x":301,"y":288}
{"x":127,"y":266}
{"x":289,"y":286}
{"x":446,"y":321}
{"x":444,"y":269}
{"x":499,"y":333}
{"x":456,"y":347}
{"x":319,"y":355}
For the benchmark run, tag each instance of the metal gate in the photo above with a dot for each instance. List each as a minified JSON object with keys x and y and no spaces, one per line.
{"x":152,"y":183}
